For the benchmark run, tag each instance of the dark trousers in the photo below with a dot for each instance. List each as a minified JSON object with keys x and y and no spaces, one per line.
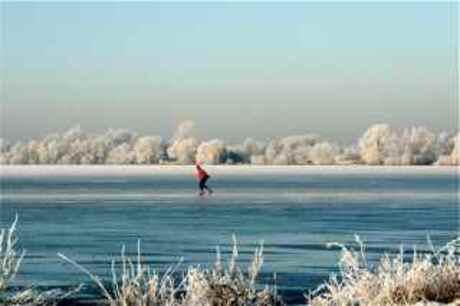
{"x":202,"y":184}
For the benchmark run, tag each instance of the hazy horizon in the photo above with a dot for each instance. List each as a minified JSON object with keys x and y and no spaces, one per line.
{"x":238,"y":70}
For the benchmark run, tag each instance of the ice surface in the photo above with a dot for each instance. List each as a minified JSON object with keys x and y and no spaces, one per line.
{"x":86,"y":212}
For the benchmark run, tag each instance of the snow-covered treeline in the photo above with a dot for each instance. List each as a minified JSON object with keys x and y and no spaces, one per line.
{"x":379,"y":145}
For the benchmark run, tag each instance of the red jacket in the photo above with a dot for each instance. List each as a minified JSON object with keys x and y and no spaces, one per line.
{"x":200,"y":173}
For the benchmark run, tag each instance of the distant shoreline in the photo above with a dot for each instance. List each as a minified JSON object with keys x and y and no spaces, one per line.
{"x":147,"y":170}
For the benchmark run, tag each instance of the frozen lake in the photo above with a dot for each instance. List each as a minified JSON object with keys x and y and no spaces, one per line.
{"x":88,"y":212}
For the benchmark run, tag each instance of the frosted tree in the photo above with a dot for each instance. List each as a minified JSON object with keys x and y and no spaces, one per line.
{"x":148,"y":150}
{"x":212,"y":152}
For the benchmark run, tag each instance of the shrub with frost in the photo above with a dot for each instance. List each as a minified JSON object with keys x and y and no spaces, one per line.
{"x":226,"y":284}
{"x":291,"y":150}
{"x":380,"y":145}
{"x":35,"y":297}
{"x":455,"y":154}
{"x":136,"y":284}
{"x":372,"y":144}
{"x":10,"y":256}
{"x":184,"y":144}
{"x":254,"y":147}
{"x":324,"y":153}
{"x":148,"y":150}
{"x":257,"y":160}
{"x":349,"y":156}
{"x":445,"y":142}
{"x":121,"y":155}
{"x":18,"y":154}
{"x":116,"y":137}
{"x":211,"y":152}
{"x":183,"y":151}
{"x":451,"y":154}
{"x":419,"y":146}
{"x":426,"y":277}
{"x":249,"y":152}
{"x":236,"y":154}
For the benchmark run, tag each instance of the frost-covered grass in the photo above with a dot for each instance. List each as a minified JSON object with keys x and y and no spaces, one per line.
{"x":10,"y":259}
{"x":136,"y":284}
{"x":33,"y":297}
{"x":10,"y":262}
{"x":427,"y":278}
{"x":432,"y":277}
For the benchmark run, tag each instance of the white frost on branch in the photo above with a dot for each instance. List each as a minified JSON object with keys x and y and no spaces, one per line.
{"x":379,"y":145}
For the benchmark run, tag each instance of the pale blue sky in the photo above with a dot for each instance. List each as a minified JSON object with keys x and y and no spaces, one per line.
{"x":236,"y":69}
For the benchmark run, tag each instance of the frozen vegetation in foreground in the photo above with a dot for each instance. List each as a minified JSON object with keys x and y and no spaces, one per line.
{"x":9,"y":259}
{"x":380,"y":145}
{"x":223,"y":284}
{"x":431,"y":278}
{"x":425,"y":279}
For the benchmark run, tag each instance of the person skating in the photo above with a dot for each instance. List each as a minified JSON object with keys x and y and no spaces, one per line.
{"x":202,"y":177}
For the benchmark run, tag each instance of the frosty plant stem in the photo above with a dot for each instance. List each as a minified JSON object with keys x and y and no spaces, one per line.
{"x":136,"y":283}
{"x":433,"y":277}
{"x":9,"y":260}
{"x":223,"y":284}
